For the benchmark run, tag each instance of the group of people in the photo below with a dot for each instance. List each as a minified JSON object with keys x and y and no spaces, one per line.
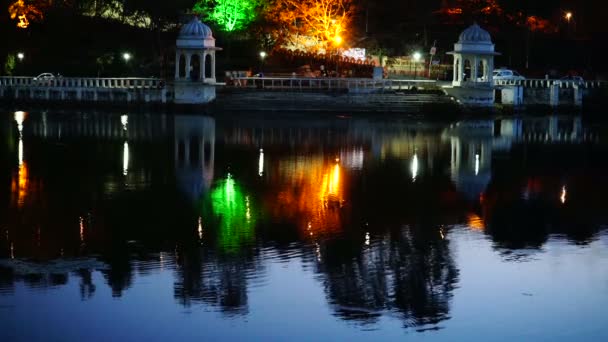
{"x":235,"y":77}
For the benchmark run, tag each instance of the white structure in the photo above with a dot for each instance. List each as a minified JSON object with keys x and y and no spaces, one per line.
{"x":195,"y":64}
{"x":473,"y":66}
{"x":473,"y":58}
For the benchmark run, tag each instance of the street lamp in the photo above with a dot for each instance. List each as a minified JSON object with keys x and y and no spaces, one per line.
{"x":417,"y":57}
{"x":568,"y":16}
{"x":126,"y":56}
{"x":262,"y":57}
{"x":20,"y":55}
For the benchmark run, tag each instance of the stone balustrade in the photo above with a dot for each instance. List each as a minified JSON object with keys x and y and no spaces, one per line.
{"x":546,"y":83}
{"x":328,"y":83}
{"x":84,"y":89}
{"x":82,"y":82}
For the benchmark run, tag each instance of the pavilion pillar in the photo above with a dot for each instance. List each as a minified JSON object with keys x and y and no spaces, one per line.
{"x":474,"y":69}
{"x":202,"y":67}
{"x":188,"y":66}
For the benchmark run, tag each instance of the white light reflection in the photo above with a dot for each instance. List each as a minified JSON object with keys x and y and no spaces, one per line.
{"x":261,"y":163}
{"x":414,"y":167}
{"x":476,"y":164}
{"x":200,"y":229}
{"x":12,"y":251}
{"x":367,"y":239}
{"x":318,"y":251}
{"x":125,"y":158}
{"x":20,"y":151}
{"x":562,"y":196}
{"x":248,"y":212}
{"x":81,"y":229}
{"x":124,"y":120}
{"x":19,"y":117}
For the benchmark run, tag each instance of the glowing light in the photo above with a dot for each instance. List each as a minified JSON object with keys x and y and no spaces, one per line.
{"x":20,"y":55}
{"x":262,"y":54}
{"x":124,"y":120}
{"x":414,"y":167}
{"x":81,"y":224}
{"x":568,"y":16}
{"x":20,"y":117}
{"x":20,"y":152}
{"x":230,"y":15}
{"x":125,"y":158}
{"x":234,"y":211}
{"x":23,"y":13}
{"x":334,"y":181}
{"x":312,"y":195}
{"x":12,"y":251}
{"x":475,"y":222}
{"x":338,"y":40}
{"x":261,"y":163}
{"x":126,"y":56}
{"x":19,"y":185}
{"x":367,"y":239}
{"x":476,"y":164}
{"x":562,"y":196}
{"x":200,"y":229}
{"x":417,"y":55}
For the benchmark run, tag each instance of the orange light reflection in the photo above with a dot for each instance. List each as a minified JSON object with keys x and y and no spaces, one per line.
{"x":475,"y":222}
{"x":312,"y":195}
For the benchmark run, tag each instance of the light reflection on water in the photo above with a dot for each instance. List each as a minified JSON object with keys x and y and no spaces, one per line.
{"x":263,"y":228}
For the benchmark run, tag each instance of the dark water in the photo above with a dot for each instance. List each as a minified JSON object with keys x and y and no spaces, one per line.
{"x":162,"y":227}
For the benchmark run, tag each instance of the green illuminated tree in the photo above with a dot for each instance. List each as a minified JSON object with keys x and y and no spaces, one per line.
{"x":229,"y":15}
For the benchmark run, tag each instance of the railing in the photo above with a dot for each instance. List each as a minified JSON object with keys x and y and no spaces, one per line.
{"x":83,"y":82}
{"x":326,"y":83}
{"x":546,"y":83}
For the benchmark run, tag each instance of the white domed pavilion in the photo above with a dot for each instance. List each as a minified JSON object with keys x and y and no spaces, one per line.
{"x":195,"y":53}
{"x":473,"y":58}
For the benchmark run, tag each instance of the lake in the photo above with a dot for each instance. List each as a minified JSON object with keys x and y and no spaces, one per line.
{"x":131,"y":226}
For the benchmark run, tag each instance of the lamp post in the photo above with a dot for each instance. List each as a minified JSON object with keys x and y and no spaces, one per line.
{"x":570,"y":18}
{"x":262,"y":57}
{"x":417,"y":57}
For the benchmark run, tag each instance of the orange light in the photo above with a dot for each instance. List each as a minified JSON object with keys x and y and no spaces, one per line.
{"x":475,"y":222}
{"x":21,"y":11}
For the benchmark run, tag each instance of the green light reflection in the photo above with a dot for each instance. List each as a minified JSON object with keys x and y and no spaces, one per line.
{"x":233,"y":208}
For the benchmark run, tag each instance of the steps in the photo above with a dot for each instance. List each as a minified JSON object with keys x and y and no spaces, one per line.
{"x":257,"y":100}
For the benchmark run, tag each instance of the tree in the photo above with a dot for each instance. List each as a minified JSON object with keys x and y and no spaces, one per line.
{"x":229,"y":15}
{"x":310,"y":25}
{"x":23,"y":12}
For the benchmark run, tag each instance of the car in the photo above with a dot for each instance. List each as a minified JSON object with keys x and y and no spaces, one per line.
{"x":44,"y":76}
{"x":506,"y":74}
{"x":44,"y":79}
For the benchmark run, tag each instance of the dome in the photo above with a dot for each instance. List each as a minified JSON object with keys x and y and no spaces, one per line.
{"x":195,"y":29}
{"x":476,"y":35}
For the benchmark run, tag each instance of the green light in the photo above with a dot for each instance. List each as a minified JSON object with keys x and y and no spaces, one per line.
{"x":230,"y":15}
{"x":235,"y":213}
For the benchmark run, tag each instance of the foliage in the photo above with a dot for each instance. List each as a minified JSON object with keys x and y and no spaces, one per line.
{"x":10,"y":64}
{"x":23,"y":12}
{"x":310,"y":25}
{"x":229,"y":15}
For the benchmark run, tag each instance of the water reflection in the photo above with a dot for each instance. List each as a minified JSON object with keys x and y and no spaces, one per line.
{"x":368,"y":207}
